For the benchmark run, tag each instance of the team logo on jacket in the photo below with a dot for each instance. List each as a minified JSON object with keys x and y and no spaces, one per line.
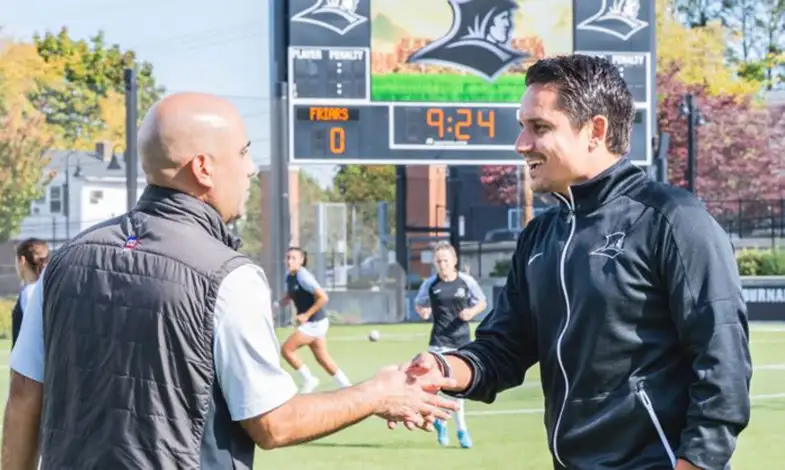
{"x":131,"y":243}
{"x":614,"y":246}
{"x":619,"y":19}
{"x":478,"y":41}
{"x":339,"y":16}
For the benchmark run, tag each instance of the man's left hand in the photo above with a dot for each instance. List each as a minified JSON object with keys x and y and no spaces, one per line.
{"x":684,"y":465}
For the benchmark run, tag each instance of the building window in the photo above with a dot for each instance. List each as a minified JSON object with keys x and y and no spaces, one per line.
{"x":55,"y":199}
{"x":96,"y":196}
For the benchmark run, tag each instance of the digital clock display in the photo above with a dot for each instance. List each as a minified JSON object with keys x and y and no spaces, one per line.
{"x":456,"y":127}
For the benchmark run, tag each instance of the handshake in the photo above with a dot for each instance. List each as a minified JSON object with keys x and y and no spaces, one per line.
{"x":408,"y":393}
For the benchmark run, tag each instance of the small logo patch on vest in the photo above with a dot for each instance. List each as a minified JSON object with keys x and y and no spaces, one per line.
{"x":131,"y":243}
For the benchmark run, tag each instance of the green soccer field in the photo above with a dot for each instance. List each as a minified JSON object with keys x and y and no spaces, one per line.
{"x":507,"y":434}
{"x":446,"y":88}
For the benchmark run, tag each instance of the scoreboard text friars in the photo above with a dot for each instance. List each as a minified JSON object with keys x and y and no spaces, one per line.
{"x":369,"y":83}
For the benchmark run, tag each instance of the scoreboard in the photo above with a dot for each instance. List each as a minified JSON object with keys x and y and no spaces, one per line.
{"x":439,"y":81}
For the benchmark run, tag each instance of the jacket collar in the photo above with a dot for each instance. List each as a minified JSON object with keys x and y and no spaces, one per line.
{"x":618,"y":179}
{"x":181,"y":207}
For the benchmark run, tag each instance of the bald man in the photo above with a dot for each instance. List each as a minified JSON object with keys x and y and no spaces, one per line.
{"x":149,"y":342}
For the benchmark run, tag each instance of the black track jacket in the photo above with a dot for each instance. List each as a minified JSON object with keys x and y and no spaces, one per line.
{"x":629,"y":297}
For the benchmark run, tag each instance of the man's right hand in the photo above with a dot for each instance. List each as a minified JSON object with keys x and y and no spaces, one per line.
{"x":411,"y":398}
{"x":425,"y":369}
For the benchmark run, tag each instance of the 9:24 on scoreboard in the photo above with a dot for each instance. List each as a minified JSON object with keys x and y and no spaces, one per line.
{"x":457,"y":127}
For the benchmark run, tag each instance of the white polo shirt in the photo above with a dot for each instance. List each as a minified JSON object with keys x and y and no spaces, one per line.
{"x":245,"y":348}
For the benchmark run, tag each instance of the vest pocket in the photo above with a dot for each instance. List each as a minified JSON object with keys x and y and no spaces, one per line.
{"x":644,"y":399}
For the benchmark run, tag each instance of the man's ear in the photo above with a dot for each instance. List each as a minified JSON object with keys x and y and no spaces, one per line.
{"x":202,"y":169}
{"x":598,"y":132}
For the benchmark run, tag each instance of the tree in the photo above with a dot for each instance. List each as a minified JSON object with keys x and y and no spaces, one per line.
{"x":250,"y":228}
{"x":23,"y":157}
{"x":25,"y":139}
{"x":22,"y":71}
{"x":91,"y":88}
{"x":364,"y":186}
{"x":753,"y":33}
{"x":365,"y":183}
{"x":501,"y":184}
{"x":759,"y":30}
{"x":740,"y":147}
{"x":700,"y":52}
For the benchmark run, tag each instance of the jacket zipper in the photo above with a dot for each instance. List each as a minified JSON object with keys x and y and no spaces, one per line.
{"x":644,"y":398}
{"x":562,"y":278}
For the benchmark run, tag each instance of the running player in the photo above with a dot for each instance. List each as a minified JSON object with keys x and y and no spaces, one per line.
{"x":453,"y":299}
{"x":309,"y":300}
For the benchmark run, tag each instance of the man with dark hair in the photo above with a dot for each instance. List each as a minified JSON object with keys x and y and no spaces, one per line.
{"x":627,"y":294}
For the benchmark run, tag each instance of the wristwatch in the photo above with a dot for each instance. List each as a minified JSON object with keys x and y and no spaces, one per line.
{"x":443,"y":364}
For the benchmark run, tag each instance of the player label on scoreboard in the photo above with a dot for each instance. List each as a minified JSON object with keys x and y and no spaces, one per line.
{"x":329,"y":73}
{"x":370,"y":81}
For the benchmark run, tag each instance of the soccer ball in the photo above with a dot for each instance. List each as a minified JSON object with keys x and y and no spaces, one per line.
{"x":374,"y":335}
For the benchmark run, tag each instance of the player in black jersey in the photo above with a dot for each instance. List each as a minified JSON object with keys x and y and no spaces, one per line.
{"x":309,"y":300}
{"x":452,"y":299}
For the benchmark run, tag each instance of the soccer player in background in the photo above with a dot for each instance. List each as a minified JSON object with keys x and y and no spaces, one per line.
{"x":32,"y":255}
{"x":309,"y":300}
{"x":453,"y":299}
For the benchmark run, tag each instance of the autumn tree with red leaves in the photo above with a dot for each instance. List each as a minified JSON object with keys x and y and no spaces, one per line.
{"x":740,"y":147}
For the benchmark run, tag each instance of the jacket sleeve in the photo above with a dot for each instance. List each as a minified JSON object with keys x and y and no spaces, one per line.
{"x":700,"y":271}
{"x":505,"y":344}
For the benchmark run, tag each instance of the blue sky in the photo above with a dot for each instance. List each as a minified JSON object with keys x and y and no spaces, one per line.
{"x":219,"y":47}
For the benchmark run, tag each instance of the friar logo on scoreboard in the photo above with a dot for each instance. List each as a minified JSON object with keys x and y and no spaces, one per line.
{"x":619,"y":19}
{"x":339,"y":16}
{"x":478,"y":41}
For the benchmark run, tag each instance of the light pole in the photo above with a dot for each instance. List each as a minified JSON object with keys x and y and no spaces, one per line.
{"x":694,"y":119}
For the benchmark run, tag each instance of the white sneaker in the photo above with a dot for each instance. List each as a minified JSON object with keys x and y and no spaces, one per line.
{"x":309,"y":385}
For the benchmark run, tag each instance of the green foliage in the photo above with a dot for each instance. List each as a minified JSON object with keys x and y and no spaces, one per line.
{"x":750,"y":262}
{"x":501,"y":268}
{"x":365,"y":183}
{"x":23,"y":157}
{"x":364,"y":186}
{"x":92,"y":71}
{"x":761,"y":262}
{"x":250,"y":228}
{"x":6,"y":308}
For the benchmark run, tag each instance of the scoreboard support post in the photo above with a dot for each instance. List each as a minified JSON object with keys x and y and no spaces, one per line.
{"x":278,"y":194}
{"x":454,"y":189}
{"x":401,"y":250}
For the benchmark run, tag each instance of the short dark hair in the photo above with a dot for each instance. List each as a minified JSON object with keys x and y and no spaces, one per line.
{"x":589,"y":86}
{"x":36,"y":252}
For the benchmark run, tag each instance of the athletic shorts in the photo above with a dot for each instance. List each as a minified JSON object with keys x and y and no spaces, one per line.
{"x":315,"y":329}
